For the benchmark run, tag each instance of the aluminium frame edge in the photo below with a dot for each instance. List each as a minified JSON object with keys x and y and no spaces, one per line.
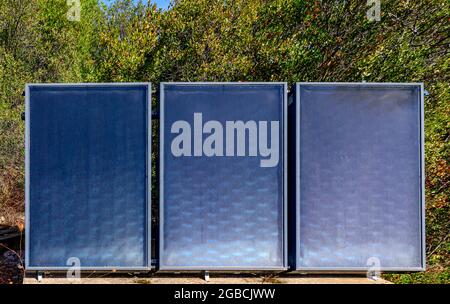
{"x":161,"y":176}
{"x":148,"y":172}
{"x":422,"y":172}
{"x":27,"y":176}
{"x":285,"y":118}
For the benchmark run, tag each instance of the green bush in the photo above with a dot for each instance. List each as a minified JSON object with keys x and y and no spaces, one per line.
{"x":216,"y":40}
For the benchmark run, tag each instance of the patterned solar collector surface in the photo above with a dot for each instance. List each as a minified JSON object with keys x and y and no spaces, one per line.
{"x":86,"y":176}
{"x":222,"y":211}
{"x":360,"y":185}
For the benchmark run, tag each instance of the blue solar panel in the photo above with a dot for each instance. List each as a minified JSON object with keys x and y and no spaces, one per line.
{"x":359,"y":177}
{"x":87,"y":176}
{"x":222,"y":176}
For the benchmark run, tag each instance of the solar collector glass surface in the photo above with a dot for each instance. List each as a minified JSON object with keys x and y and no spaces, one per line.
{"x":360,"y":176}
{"x":87,"y":160}
{"x":221,"y":212}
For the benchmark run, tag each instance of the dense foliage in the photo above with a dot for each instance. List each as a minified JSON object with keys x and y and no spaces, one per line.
{"x":240,"y":40}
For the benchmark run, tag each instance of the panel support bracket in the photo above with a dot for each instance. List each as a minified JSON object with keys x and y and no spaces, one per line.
{"x":39,"y":275}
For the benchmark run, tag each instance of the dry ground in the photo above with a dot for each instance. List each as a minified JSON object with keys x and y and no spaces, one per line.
{"x":96,"y":278}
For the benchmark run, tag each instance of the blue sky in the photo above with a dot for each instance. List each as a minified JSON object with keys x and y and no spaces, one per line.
{"x":160,"y":3}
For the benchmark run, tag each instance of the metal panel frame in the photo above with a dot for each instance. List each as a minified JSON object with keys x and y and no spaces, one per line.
{"x":148,"y":198}
{"x":421,"y":174}
{"x":161,"y":180}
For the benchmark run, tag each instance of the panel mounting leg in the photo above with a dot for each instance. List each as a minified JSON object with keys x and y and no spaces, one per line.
{"x":39,"y":276}
{"x":207,"y":276}
{"x":373,"y":277}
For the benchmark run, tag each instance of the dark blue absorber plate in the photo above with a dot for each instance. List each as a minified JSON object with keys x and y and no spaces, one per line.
{"x":360,"y":176}
{"x":87,"y":175}
{"x":221,"y":212}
